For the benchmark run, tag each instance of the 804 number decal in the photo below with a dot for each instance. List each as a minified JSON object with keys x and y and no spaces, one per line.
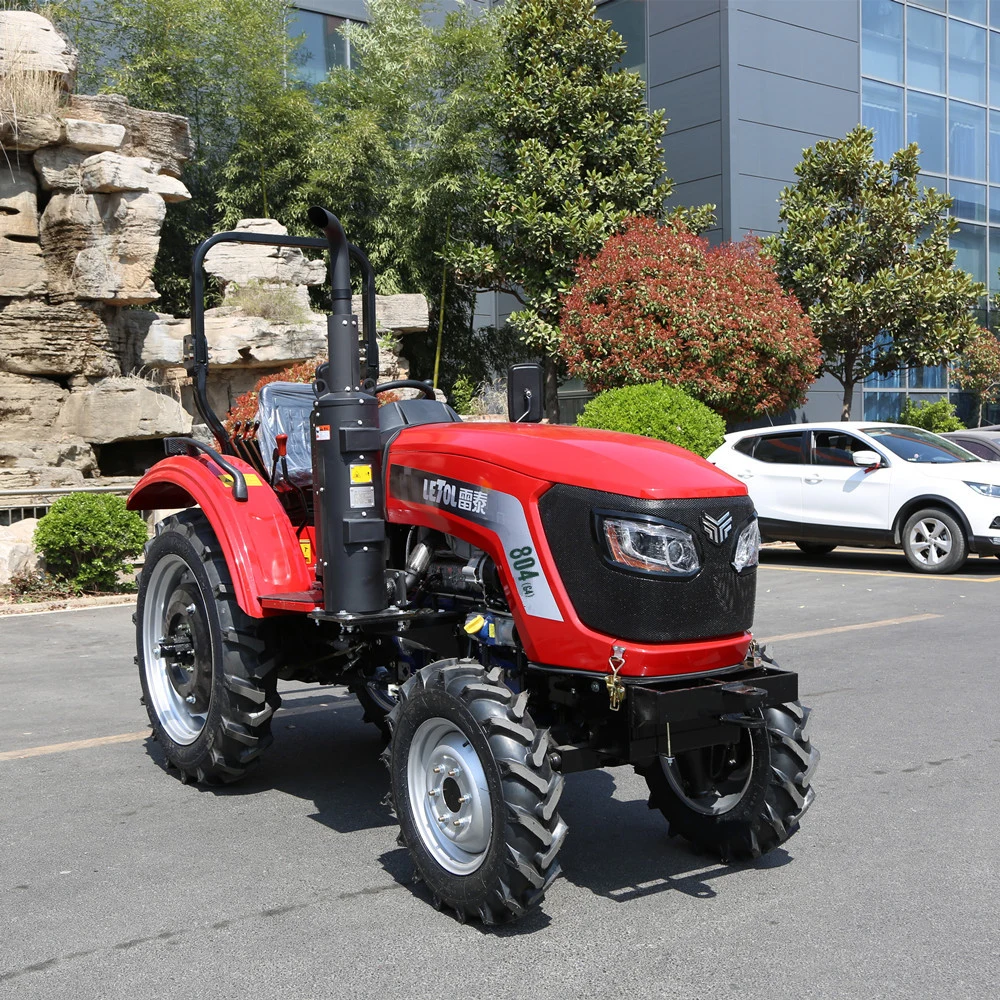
{"x":522,"y":560}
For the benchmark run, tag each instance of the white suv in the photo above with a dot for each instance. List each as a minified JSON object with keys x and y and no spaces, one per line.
{"x":871,"y":484}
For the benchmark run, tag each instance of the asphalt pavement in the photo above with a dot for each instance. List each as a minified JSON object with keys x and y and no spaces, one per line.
{"x":116,"y":881}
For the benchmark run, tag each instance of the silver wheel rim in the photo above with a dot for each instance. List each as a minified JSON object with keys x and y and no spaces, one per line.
{"x":176,"y":650}
{"x":728,"y":790}
{"x":449,"y":798}
{"x":930,"y":541}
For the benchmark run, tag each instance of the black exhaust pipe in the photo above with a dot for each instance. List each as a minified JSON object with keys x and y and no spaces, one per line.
{"x":346,"y":454}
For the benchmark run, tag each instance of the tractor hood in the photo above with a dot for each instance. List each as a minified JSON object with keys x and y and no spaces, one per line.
{"x":626,"y":464}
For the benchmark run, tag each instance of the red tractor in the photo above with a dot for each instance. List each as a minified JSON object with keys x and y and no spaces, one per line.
{"x":510,"y":603}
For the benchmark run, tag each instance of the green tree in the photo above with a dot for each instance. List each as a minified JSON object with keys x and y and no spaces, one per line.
{"x":576,"y":151}
{"x":978,"y":370}
{"x":396,"y":154}
{"x":866,"y":253}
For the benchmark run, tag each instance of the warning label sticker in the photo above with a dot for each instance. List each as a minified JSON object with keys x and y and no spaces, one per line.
{"x":362,"y":496}
{"x":361,"y":473}
{"x":322,"y":432}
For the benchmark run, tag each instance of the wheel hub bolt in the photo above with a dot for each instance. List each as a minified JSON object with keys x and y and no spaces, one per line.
{"x":454,"y":772}
{"x":442,"y":820}
{"x":432,"y":792}
{"x":438,"y":768}
{"x":190,"y":699}
{"x":190,"y":609}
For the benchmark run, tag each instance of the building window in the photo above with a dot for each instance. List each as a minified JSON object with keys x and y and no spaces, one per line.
{"x":925,"y":125}
{"x":967,"y":62}
{"x":969,"y":200}
{"x":925,"y":50}
{"x":882,"y":39}
{"x":323,"y":46}
{"x":967,"y":140}
{"x":971,"y":10}
{"x":882,"y":110}
{"x":628,"y":18}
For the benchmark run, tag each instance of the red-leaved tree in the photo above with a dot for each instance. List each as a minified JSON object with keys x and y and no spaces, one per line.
{"x":659,"y":304}
{"x":979,"y":370}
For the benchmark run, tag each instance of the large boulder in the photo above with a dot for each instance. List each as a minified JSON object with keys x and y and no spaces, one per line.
{"x":28,"y":406}
{"x":93,"y":137}
{"x":163,"y":138}
{"x":66,"y":452}
{"x":58,"y":167}
{"x":25,"y":133}
{"x":57,"y":340}
{"x":30,"y":45}
{"x":245,"y":262}
{"x":121,"y":410}
{"x":102,"y":246}
{"x":22,"y":270}
{"x":17,"y":553}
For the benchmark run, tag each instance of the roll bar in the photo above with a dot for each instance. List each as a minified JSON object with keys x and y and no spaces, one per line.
{"x":196,"y":352}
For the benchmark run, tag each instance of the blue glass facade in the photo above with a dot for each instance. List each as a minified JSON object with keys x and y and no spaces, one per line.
{"x":931,"y":75}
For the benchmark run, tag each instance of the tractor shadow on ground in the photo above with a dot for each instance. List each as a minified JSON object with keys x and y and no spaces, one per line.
{"x":620,"y":849}
{"x":616,"y":847}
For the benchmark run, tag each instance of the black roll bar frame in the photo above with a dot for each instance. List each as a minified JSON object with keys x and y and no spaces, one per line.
{"x":196,"y":356}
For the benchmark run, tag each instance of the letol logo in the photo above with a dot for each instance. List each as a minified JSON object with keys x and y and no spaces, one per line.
{"x":717,"y":528}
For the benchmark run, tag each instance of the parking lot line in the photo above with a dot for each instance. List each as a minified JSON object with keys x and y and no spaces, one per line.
{"x":882,"y":572}
{"x":97,"y":741}
{"x":850,"y":628}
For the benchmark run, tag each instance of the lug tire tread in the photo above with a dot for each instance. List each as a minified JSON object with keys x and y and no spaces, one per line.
{"x":773,"y":804}
{"x":246,"y":686}
{"x":524,"y":856}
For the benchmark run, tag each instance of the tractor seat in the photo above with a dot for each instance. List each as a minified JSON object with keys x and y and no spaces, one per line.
{"x":284,"y":408}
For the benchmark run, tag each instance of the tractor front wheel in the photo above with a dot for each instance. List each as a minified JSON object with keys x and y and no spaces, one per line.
{"x":207,"y":683}
{"x":742,"y":800}
{"x":474,"y":791}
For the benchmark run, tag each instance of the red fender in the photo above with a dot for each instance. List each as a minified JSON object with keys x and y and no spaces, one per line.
{"x":256,"y":537}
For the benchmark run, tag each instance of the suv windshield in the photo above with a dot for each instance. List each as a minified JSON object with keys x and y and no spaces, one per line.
{"x":916,"y":445}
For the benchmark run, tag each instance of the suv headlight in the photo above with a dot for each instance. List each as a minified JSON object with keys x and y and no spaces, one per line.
{"x":650,"y":546}
{"x":987,"y":489}
{"x":747,"y":547}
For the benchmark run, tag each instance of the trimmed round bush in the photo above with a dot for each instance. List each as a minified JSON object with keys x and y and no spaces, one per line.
{"x":657,"y":411}
{"x":86,"y":538}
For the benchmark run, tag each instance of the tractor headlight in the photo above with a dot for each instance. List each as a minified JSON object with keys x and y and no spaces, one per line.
{"x":650,"y":546}
{"x":987,"y":489}
{"x":747,"y":547}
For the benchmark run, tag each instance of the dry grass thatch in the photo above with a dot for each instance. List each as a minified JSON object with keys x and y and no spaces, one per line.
{"x":25,"y":90}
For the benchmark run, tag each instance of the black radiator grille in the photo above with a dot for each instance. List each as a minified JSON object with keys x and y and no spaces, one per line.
{"x":644,"y":608}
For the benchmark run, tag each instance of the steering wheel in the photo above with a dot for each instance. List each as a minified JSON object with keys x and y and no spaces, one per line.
{"x":406,"y":383}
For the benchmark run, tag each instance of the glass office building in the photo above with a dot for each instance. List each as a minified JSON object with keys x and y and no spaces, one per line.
{"x":931,"y":75}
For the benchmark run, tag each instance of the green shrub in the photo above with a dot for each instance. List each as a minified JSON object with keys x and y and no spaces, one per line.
{"x":657,"y":411}
{"x":86,"y":538}
{"x":937,"y":417}
{"x":461,"y":394}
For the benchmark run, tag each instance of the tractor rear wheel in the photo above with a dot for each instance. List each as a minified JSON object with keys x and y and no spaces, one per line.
{"x":474,"y":791}
{"x":742,"y":800}
{"x":207,"y":684}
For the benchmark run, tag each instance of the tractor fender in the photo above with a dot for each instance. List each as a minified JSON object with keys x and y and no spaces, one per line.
{"x":256,"y":537}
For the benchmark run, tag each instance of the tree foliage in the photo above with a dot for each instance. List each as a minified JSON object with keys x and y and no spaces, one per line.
{"x":938,"y":416}
{"x":576,"y":152}
{"x":657,"y":411}
{"x":399,"y":142}
{"x":866,"y":253}
{"x":978,"y":371}
{"x":659,"y":304}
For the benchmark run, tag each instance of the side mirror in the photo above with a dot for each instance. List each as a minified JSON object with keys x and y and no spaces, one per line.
{"x":525,"y":393}
{"x":867,"y":460}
